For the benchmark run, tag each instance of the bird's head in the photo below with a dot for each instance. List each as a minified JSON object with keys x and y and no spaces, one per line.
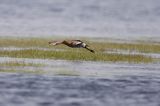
{"x":84,"y":45}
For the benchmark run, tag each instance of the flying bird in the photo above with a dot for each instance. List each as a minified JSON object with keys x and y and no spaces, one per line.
{"x":72,"y":44}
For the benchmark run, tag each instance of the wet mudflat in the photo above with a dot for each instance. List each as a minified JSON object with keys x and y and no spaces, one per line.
{"x":79,"y":83}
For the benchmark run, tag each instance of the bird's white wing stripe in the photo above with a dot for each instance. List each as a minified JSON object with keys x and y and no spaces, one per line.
{"x":78,"y":43}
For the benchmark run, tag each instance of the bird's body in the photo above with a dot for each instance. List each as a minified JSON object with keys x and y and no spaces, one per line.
{"x":72,"y":43}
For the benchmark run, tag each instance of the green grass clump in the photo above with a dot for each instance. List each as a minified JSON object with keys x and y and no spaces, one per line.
{"x":22,"y":71}
{"x":75,"y":55}
{"x":140,"y":47}
{"x":17,"y":64}
{"x":65,"y":72}
{"x":23,"y":42}
{"x":41,"y":72}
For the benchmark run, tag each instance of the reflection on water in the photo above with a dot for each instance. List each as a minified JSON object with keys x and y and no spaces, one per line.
{"x":40,"y":90}
{"x":91,"y":84}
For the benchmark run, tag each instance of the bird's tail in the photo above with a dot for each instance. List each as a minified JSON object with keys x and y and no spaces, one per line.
{"x":54,"y":43}
{"x":90,"y":49}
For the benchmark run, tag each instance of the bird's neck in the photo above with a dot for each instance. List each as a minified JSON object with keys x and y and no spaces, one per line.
{"x":66,"y":43}
{"x":59,"y":42}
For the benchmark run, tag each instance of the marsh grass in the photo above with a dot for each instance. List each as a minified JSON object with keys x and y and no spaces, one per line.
{"x":79,"y":54}
{"x":66,"y":73}
{"x":23,"y":42}
{"x":140,"y":47}
{"x":22,"y":71}
{"x":75,"y":55}
{"x":98,"y":46}
{"x":17,"y":64}
{"x":41,"y":72}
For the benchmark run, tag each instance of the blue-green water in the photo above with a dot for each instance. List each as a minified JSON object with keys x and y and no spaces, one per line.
{"x":88,"y":18}
{"x":79,"y":83}
{"x":41,"y":90}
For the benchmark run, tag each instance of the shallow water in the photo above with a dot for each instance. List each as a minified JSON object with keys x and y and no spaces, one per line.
{"x":83,"y":68}
{"x":40,"y":90}
{"x":90,"y":18}
{"x":86,"y":84}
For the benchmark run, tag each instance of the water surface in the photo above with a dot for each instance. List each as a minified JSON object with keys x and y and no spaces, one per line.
{"x":40,"y":90}
{"x":85,"y":84}
{"x":90,"y":18}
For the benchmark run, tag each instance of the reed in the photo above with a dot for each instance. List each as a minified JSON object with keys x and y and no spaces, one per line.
{"x":79,"y":54}
{"x":98,"y":46}
{"x":19,"y":64}
{"x":76,"y":55}
{"x":39,"y":72}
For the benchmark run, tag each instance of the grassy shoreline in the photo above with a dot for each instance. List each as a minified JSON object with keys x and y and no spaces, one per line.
{"x":142,"y":46}
{"x":79,"y":54}
{"x":74,"y":55}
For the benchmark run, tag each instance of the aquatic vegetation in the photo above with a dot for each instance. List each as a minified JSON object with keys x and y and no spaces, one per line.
{"x":75,"y":55}
{"x":141,"y":47}
{"x":66,"y":73}
{"x":17,"y":63}
{"x":22,"y":71}
{"x":79,"y":54}
{"x":23,"y":42}
{"x":147,"y":47}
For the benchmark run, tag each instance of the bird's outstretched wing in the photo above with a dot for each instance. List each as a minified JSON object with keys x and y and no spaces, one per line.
{"x":72,"y":43}
{"x":76,"y":42}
